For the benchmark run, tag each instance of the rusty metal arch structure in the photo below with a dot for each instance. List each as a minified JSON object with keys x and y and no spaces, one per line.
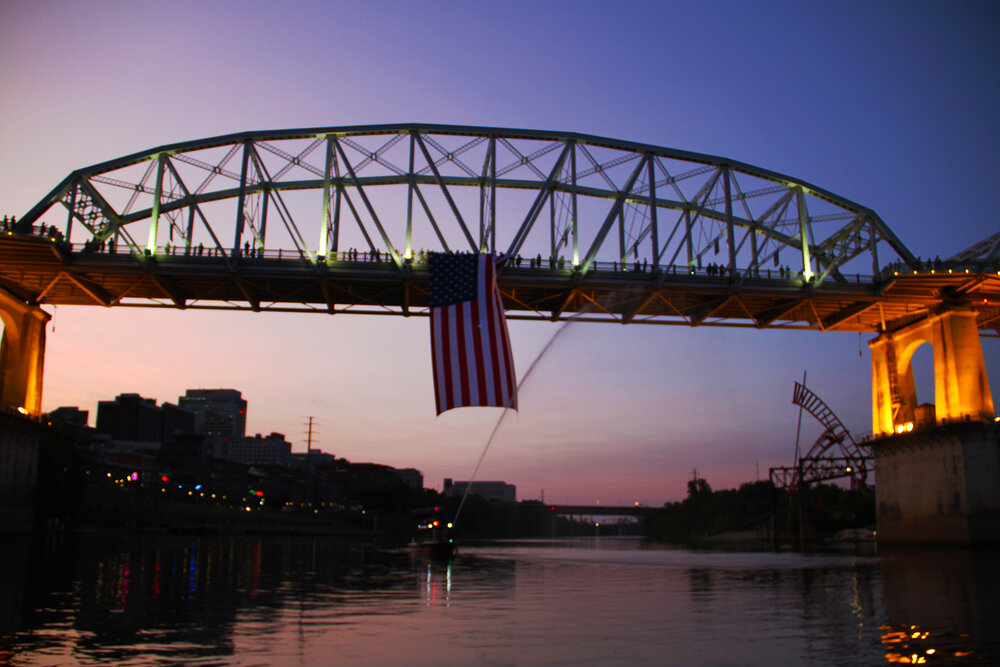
{"x":602,"y":200}
{"x":835,"y":454}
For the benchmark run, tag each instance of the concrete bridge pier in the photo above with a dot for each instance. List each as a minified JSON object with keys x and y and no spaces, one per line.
{"x":20,"y":442}
{"x":939,"y":485}
{"x":937,"y":467}
{"x":22,"y":355}
{"x":961,"y":388}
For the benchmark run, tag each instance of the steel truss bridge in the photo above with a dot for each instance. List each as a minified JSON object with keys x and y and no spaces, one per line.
{"x":338,"y":219}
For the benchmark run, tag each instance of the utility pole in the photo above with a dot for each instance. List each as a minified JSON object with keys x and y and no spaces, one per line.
{"x":309,"y":439}
{"x":798,"y":431}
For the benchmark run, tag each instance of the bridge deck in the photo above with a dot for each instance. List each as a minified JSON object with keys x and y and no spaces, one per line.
{"x":40,"y":271}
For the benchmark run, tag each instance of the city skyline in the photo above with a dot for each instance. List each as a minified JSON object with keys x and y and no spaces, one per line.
{"x":885,"y":105}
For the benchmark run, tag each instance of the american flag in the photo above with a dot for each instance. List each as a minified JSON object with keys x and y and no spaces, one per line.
{"x":470,"y":349}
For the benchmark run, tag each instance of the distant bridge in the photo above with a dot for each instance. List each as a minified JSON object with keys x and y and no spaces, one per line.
{"x":601,"y":510}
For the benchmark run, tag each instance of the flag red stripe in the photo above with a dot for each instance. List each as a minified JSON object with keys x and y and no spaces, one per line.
{"x":480,"y":348}
{"x":470,"y":348}
{"x":462,"y":345}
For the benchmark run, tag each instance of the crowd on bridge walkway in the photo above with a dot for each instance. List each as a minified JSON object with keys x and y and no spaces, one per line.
{"x":255,"y":250}
{"x":938,"y":265}
{"x":9,"y":225}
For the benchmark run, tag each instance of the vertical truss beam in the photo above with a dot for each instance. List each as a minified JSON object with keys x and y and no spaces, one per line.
{"x":410,"y":185}
{"x":873,"y":245}
{"x":324,"y":231}
{"x":241,"y":198}
{"x":536,"y":207}
{"x":804,"y":235}
{"x":154,"y":218}
{"x":70,"y":211}
{"x":193,"y":206}
{"x":730,"y":232}
{"x":612,"y":214}
{"x":283,"y":210}
{"x":397,"y":260}
{"x":654,"y":233}
{"x":493,"y":194}
{"x":444,"y":189}
{"x":576,"y":219}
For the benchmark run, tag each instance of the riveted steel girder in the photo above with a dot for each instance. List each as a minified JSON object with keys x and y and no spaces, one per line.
{"x":611,"y":229}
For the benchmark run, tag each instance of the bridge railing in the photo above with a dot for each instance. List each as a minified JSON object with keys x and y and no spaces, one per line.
{"x":354,"y":255}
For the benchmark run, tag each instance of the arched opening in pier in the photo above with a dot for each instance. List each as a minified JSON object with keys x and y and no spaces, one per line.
{"x":922,"y":366}
{"x":918,"y":376}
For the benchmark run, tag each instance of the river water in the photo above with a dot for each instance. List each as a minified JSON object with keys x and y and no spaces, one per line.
{"x":145,"y":600}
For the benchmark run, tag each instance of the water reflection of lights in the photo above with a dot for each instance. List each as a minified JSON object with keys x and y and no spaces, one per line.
{"x":907,"y":646}
{"x":432,"y":585}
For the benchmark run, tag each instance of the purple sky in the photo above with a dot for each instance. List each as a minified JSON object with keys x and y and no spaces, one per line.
{"x":893,"y":105}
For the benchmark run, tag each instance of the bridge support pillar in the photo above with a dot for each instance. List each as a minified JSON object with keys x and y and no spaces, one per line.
{"x":937,"y":469}
{"x":22,"y":354}
{"x":961,"y":388}
{"x":939,"y":485}
{"x":20,"y":442}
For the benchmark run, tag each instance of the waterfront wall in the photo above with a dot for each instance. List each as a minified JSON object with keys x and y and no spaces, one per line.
{"x":939,"y":485}
{"x":20,"y":441}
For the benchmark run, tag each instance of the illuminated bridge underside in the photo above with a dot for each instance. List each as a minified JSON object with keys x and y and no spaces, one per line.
{"x":336,"y":220}
{"x":40,"y":272}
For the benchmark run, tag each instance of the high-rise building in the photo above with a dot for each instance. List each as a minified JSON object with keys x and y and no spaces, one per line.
{"x":268,"y":449}
{"x":489,"y":490}
{"x":134,"y":418}
{"x":221,"y":412}
{"x":71,"y":416}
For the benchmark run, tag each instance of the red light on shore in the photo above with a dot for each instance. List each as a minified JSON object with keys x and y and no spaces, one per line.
{"x":164,"y":478}
{"x":260,"y":494}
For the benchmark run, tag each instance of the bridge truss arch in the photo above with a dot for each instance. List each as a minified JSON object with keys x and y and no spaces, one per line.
{"x":580,"y":206}
{"x":582,"y":197}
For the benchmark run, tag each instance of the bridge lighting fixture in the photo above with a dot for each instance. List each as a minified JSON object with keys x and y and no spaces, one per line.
{"x":22,"y":410}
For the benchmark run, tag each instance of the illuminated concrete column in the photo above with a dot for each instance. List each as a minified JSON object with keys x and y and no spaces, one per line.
{"x":22,"y":354}
{"x":961,"y":388}
{"x":882,"y":349}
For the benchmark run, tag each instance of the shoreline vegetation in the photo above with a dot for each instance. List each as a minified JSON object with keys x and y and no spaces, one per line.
{"x":758,"y":511}
{"x":72,"y":494}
